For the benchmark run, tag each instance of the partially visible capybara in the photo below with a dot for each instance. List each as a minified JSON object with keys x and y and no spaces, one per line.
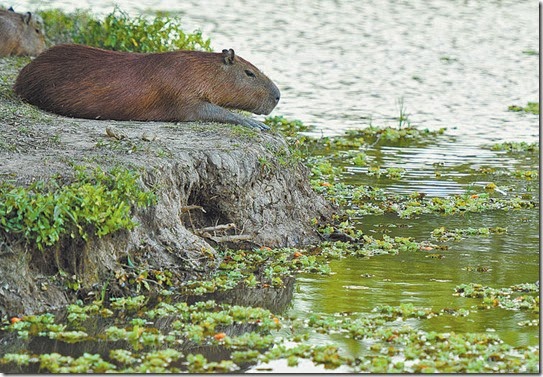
{"x":21,"y":34}
{"x":87,"y":82}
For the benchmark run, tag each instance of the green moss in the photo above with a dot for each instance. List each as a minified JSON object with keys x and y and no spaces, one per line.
{"x":97,"y":202}
{"x":245,"y":133}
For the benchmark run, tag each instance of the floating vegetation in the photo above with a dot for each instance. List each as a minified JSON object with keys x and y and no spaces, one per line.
{"x":526,"y":174}
{"x":531,"y":107}
{"x":392,"y":173}
{"x":518,"y":297}
{"x":442,"y":234}
{"x":367,"y":200}
{"x":165,"y":338}
{"x":516,"y":146}
{"x":329,"y":157}
{"x":274,"y":266}
{"x":530,"y":52}
{"x":369,"y":136}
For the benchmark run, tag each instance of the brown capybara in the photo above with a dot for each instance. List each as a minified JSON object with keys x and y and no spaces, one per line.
{"x":86,"y":82}
{"x":21,"y":34}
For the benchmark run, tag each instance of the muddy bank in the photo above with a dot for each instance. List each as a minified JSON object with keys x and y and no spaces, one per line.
{"x":205,"y":176}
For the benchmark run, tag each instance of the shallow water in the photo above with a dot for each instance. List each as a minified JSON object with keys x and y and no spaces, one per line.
{"x":347,"y":64}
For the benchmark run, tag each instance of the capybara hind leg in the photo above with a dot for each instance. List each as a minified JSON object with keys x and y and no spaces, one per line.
{"x":214,"y":113}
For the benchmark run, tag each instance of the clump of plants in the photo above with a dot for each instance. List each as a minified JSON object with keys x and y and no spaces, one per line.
{"x":531,"y":107}
{"x":97,"y":201}
{"x":516,"y":146}
{"x":517,"y":297}
{"x":121,"y":32}
{"x":443,"y":234}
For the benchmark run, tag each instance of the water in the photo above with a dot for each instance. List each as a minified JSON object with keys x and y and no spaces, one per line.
{"x":347,"y":64}
{"x":341,"y":63}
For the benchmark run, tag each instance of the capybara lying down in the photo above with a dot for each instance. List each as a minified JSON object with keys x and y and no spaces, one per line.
{"x":21,"y":33}
{"x":86,"y":82}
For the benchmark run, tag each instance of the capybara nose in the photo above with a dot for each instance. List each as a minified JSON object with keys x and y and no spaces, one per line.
{"x":277,"y":94}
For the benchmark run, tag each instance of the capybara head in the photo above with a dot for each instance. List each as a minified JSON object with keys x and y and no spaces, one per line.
{"x":21,"y":33}
{"x":241,"y":85}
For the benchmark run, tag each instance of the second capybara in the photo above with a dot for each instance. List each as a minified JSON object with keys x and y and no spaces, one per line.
{"x":21,"y":33}
{"x":86,"y":82}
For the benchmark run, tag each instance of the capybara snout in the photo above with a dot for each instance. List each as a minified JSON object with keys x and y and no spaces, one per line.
{"x":86,"y":82}
{"x":251,"y":89}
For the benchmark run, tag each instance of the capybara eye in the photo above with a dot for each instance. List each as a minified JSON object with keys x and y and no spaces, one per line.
{"x":249,"y":73}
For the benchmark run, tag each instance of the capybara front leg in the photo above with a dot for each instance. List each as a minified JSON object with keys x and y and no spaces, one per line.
{"x":214,"y":113}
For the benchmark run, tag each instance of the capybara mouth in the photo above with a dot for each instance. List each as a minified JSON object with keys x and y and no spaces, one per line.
{"x":268,"y":106}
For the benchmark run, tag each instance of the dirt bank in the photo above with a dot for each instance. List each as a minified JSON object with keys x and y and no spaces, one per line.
{"x":204,"y":175}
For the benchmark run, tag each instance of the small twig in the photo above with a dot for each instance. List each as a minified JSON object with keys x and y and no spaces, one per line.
{"x":233,"y":238}
{"x":377,"y":140}
{"x":192,"y":207}
{"x":223,"y":227}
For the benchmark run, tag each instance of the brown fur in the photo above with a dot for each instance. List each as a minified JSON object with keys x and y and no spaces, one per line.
{"x":86,"y":82}
{"x":21,"y":34}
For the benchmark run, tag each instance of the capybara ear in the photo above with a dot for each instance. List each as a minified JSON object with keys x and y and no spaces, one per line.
{"x":26,"y":17}
{"x":228,"y":56}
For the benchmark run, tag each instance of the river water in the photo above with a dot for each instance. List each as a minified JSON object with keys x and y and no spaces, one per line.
{"x":347,"y":64}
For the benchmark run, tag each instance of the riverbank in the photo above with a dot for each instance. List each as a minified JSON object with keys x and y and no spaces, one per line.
{"x":207,"y":185}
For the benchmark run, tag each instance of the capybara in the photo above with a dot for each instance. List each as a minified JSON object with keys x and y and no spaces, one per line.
{"x":21,"y":34}
{"x":86,"y":82}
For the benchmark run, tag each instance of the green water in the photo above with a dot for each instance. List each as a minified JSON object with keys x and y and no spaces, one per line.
{"x":496,"y":260}
{"x":410,"y":277}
